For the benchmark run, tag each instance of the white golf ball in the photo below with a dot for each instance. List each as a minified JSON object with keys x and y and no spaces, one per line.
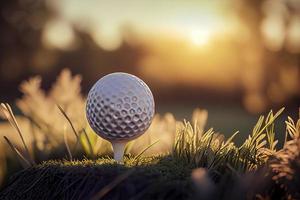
{"x":120,"y":107}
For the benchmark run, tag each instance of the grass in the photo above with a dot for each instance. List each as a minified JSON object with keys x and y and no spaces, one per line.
{"x":201,"y":164}
{"x":86,"y":179}
{"x":205,"y":149}
{"x":190,"y":163}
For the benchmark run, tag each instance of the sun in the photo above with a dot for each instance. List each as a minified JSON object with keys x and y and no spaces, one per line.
{"x":200,"y":37}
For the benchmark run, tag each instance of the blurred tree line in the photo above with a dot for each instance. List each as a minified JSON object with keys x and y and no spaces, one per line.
{"x":270,"y":75}
{"x":23,"y":53}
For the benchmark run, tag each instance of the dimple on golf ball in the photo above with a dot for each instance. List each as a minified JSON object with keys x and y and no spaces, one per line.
{"x":120,"y":107}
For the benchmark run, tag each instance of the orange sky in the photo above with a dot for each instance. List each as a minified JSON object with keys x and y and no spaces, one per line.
{"x":197,"y":21}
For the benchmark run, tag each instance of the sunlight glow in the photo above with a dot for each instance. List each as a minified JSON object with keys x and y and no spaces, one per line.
{"x":58,"y":34}
{"x":200,"y":37}
{"x":192,"y":20}
{"x":109,"y":38}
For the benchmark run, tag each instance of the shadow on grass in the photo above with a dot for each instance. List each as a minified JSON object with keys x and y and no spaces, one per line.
{"x":158,"y":177}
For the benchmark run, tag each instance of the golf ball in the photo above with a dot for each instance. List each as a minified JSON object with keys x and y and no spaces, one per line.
{"x":120,"y":107}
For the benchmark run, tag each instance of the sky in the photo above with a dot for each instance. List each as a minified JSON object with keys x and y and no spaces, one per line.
{"x":194,"y":20}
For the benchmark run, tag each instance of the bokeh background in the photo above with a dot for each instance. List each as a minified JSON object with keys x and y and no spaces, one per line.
{"x":235,"y":58}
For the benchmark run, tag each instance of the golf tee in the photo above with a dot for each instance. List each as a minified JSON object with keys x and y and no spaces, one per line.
{"x":118,"y":148}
